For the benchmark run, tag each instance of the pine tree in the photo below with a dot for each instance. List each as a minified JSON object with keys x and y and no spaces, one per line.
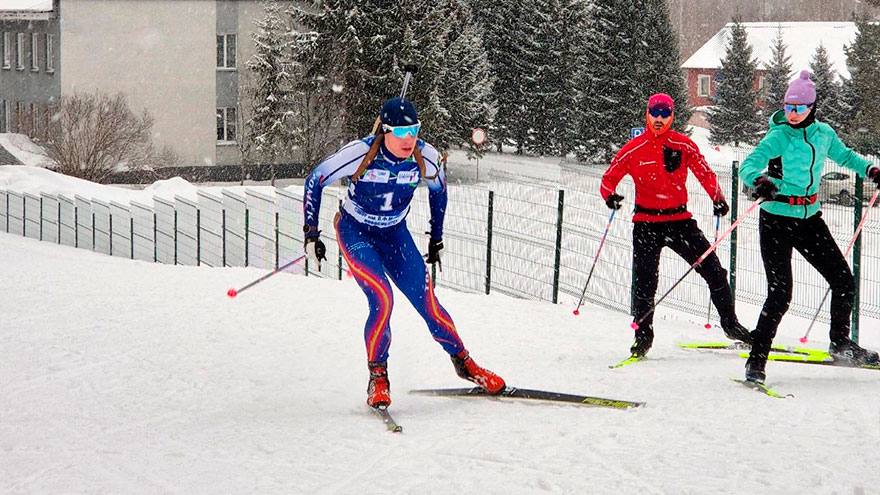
{"x":734,"y":117}
{"x":659,"y":69}
{"x":268,"y":126}
{"x":610,"y":75}
{"x":827,"y":90}
{"x":863,"y":90}
{"x":513,"y":55}
{"x":778,"y":75}
{"x":362,"y":49}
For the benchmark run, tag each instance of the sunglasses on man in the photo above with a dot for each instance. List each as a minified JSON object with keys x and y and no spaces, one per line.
{"x":795,"y":108}
{"x":403,"y":131}
{"x":660,"y":112}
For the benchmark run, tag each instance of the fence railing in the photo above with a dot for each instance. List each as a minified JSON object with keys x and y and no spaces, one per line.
{"x":527,"y":238}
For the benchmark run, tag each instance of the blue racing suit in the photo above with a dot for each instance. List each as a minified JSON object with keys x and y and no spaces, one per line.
{"x":373,"y":238}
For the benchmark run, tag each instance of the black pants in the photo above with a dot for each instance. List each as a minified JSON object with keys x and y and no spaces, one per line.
{"x":811,"y":238}
{"x":686,"y":239}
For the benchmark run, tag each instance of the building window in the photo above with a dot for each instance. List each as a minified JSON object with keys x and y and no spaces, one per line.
{"x":762,"y":86}
{"x":19,"y":51}
{"x":7,"y":50}
{"x":35,"y":51}
{"x":226,"y":125}
{"x":704,"y":82}
{"x":226,"y":51}
{"x":50,"y":52}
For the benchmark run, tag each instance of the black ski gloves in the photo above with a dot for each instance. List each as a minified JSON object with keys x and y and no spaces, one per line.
{"x":614,"y":201}
{"x":315,"y":249}
{"x":720,"y":208}
{"x":435,"y":246}
{"x":874,"y":175}
{"x":764,"y":188}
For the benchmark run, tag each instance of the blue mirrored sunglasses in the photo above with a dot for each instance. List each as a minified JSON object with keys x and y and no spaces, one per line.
{"x":660,"y":112}
{"x":403,"y":131}
{"x":795,"y":108}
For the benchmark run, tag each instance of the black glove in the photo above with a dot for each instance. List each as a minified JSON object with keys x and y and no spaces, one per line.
{"x":720,"y":208}
{"x":435,"y":246}
{"x":764,"y":188}
{"x":874,"y":175}
{"x":315,"y":249}
{"x":614,"y":201}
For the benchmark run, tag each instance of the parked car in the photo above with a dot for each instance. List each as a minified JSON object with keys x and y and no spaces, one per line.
{"x":839,"y":188}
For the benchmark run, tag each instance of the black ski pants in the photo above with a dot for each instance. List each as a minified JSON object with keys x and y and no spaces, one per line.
{"x":810,"y":236}
{"x":687,"y":240}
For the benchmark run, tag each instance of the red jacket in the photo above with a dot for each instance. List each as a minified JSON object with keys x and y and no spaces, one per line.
{"x":656,"y":187}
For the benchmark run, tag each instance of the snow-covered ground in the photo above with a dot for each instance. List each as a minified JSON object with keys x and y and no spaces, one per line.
{"x":119,"y":376}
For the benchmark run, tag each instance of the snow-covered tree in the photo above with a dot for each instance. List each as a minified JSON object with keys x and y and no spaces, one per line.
{"x":268,"y":124}
{"x":658,"y":64}
{"x":863,"y":89}
{"x":734,"y":117}
{"x":609,"y":75}
{"x":361,"y":49}
{"x":778,"y":74}
{"x":827,"y":89}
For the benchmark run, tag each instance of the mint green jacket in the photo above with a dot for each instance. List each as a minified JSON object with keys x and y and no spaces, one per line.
{"x":803,"y":153}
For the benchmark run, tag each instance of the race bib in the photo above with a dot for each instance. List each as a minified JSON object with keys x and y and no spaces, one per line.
{"x":376,"y":175}
{"x":408,"y":177}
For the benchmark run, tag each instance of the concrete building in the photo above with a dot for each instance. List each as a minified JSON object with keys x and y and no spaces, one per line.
{"x":183,"y":61}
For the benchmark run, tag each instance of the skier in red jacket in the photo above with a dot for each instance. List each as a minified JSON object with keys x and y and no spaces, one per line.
{"x":658,"y":161}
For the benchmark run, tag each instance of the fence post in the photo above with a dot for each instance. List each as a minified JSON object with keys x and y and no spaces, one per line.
{"x":75,"y":225}
{"x":223,"y":249}
{"x":93,"y":228}
{"x":41,"y":217}
{"x":489,"y":241}
{"x":247,"y":218}
{"x":23,"y":216}
{"x":110,"y":233}
{"x":131,"y":232}
{"x":155,"y":238}
{"x":175,"y":236}
{"x":59,"y":221}
{"x":857,"y":256}
{"x":199,"y":237}
{"x":276,"y":241}
{"x":734,"y":213}
{"x":558,"y":256}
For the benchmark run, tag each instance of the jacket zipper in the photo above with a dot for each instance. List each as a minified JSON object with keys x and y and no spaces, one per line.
{"x":812,"y":164}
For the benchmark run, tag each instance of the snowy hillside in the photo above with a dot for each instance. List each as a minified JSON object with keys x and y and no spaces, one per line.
{"x":120,"y":376}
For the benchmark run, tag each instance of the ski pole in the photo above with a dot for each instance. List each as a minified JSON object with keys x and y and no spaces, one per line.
{"x":232,"y":292}
{"x":577,"y":310}
{"x":635,"y":324}
{"x":848,"y":248}
{"x":708,"y":324}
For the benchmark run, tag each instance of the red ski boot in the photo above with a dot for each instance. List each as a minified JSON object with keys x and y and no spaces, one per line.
{"x":466,"y":368}
{"x":378,"y":390}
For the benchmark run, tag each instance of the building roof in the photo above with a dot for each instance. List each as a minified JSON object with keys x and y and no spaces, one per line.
{"x":801,"y":40}
{"x":26,"y":9}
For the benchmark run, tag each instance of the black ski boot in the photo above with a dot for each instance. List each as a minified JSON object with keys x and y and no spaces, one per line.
{"x":848,"y":353}
{"x":755,"y":369}
{"x":643,"y":341}
{"x":735,"y":331}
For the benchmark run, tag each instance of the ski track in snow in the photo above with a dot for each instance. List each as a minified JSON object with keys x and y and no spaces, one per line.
{"x":131,"y":377}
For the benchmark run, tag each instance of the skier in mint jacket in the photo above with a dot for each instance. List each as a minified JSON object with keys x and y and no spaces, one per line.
{"x":384,"y":170}
{"x":786,"y":169}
